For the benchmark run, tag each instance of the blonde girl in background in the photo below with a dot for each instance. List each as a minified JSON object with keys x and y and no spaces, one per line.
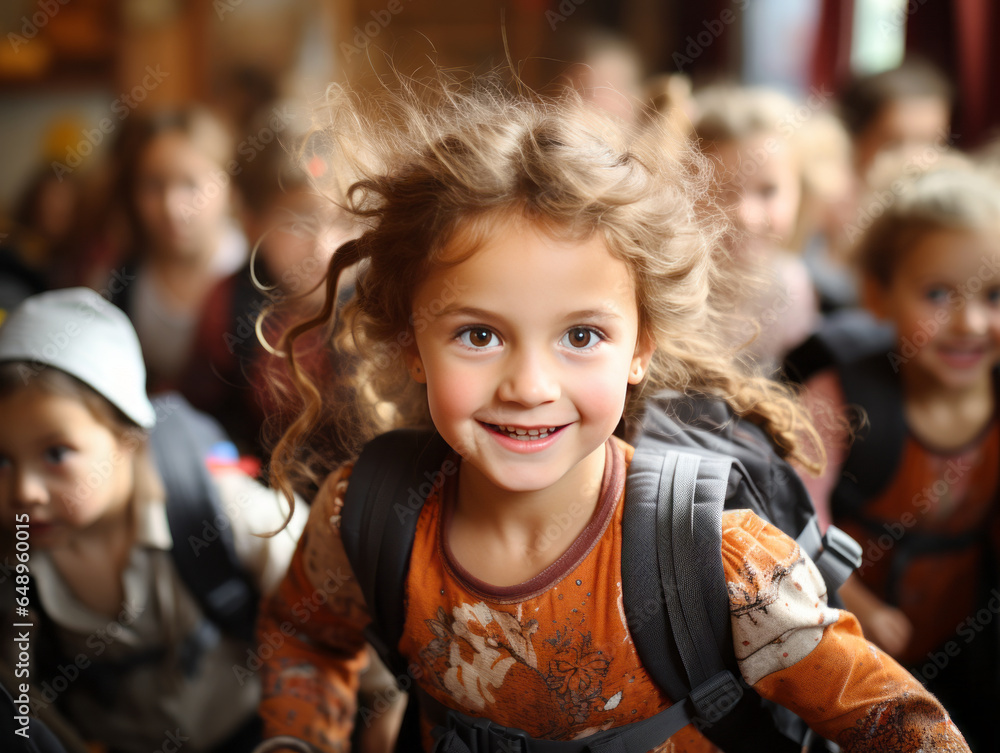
{"x":930,"y":267}
{"x":528,"y":274}
{"x":752,"y":138}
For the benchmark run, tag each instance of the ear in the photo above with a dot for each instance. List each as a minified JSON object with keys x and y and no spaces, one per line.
{"x":644,"y":350}
{"x":414,"y":364}
{"x":873,"y":296}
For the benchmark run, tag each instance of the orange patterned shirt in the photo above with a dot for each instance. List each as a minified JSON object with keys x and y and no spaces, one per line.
{"x":554,"y":655}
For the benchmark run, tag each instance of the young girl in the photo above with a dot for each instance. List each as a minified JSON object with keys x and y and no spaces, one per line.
{"x":176,"y":186}
{"x":753,"y":139}
{"x":121,"y":644}
{"x":528,"y":274}
{"x":930,"y":268}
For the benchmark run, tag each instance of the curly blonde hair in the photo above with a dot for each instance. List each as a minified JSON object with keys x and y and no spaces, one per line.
{"x":445,"y":158}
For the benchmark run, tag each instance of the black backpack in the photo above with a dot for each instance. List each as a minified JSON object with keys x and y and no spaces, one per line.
{"x":203,"y":549}
{"x":692,"y":460}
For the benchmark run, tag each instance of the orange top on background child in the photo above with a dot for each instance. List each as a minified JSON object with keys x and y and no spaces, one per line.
{"x":528,"y":274}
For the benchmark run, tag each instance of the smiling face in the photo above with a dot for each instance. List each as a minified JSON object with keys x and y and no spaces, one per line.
{"x":527,"y":348}
{"x":61,"y":465}
{"x":945,"y":302}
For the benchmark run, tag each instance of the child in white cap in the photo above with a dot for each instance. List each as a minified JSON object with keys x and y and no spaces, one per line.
{"x":119,"y":641}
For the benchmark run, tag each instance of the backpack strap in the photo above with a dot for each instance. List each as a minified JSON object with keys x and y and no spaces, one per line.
{"x":203,"y":550}
{"x":389,"y":483}
{"x":677,"y":497}
{"x":673,"y":516}
{"x":860,"y":348}
{"x":875,"y":454}
{"x":456,"y":732}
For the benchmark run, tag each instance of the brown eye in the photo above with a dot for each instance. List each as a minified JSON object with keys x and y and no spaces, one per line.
{"x":580,"y":337}
{"x":479,"y":337}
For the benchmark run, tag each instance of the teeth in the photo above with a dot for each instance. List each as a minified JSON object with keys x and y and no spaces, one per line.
{"x":525,"y":435}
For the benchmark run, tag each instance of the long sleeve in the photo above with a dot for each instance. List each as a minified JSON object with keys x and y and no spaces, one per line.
{"x":254,"y":512}
{"x":310,"y":635}
{"x":798,"y":652}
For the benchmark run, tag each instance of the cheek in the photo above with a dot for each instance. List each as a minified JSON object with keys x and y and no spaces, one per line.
{"x":215,"y":207}
{"x":782,"y":211}
{"x":451,"y":394}
{"x":293,"y":254}
{"x":149,"y":209}
{"x":601,"y":395}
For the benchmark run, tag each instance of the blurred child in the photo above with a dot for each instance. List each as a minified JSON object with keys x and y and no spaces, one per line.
{"x":121,"y":644}
{"x":671,"y":103}
{"x":906,"y":109}
{"x":752,"y":137}
{"x":606,"y":69}
{"x":829,"y":204}
{"x":528,"y":274}
{"x":177,"y":189}
{"x":927,"y":523}
{"x":295,"y":230}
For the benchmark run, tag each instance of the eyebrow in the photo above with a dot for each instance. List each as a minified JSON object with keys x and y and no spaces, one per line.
{"x":477,"y":313}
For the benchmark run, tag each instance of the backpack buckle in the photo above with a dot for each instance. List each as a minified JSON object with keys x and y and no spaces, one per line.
{"x":483,"y":736}
{"x":840,"y":557}
{"x":715,"y":698}
{"x":505,"y":739}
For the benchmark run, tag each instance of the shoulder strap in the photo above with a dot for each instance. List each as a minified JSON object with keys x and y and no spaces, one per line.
{"x":681,"y":624}
{"x":673,"y":515}
{"x":678,"y":498}
{"x":389,"y":483}
{"x":875,"y":454}
{"x":861,"y":349}
{"x":203,"y":549}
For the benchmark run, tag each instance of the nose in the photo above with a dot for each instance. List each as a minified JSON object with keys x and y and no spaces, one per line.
{"x":29,"y":488}
{"x":752,"y":215}
{"x":973,"y":318}
{"x":529,"y":379}
{"x":177,"y":204}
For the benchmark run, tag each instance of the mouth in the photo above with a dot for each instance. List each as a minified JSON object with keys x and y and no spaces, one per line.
{"x":523,"y":433}
{"x":962,"y":355}
{"x":41,"y":528}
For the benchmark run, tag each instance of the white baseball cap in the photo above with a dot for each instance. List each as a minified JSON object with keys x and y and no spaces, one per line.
{"x":77,"y":331}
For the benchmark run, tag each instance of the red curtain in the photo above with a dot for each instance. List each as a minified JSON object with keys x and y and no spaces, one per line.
{"x":831,"y":64}
{"x":953,"y":34}
{"x":956,"y":35}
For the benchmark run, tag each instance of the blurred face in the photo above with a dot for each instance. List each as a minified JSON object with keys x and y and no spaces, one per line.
{"x":761,"y":182}
{"x":527,"y":348}
{"x":907,"y":126}
{"x":61,"y":467}
{"x":297,"y":238}
{"x":182,"y":197}
{"x":945,"y":302}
